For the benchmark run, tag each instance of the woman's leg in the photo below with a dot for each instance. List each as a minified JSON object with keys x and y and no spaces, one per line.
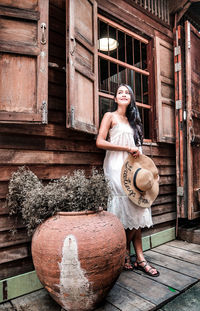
{"x":129,"y":237}
{"x":140,"y":260}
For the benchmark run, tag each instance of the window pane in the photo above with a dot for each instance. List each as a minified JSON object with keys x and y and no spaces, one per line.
{"x":113,"y":43}
{"x":105,"y":105}
{"x":113,"y":78}
{"x":138,"y":87}
{"x":122,"y":75}
{"x":103,"y":77}
{"x":144,"y":56}
{"x":137,"y":53}
{"x":130,"y":78}
{"x":102,"y":34}
{"x":129,"y":50}
{"x":121,"y":47}
{"x":145,"y":89}
{"x":146,"y":123}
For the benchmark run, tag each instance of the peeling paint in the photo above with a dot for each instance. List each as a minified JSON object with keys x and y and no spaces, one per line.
{"x":75,"y":289}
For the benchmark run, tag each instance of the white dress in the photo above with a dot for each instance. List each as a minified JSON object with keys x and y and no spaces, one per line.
{"x":129,"y":214}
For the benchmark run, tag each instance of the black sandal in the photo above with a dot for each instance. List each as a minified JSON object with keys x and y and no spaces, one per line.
{"x":137,"y":265}
{"x":127,"y":265}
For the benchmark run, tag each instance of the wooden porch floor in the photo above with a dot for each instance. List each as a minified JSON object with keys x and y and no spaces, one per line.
{"x":179,"y":266}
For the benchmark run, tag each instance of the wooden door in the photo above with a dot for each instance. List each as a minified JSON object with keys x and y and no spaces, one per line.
{"x":23,"y":61}
{"x":82,"y":87}
{"x":192,"y":48}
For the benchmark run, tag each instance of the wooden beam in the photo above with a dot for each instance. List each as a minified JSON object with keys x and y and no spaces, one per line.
{"x":175,"y":6}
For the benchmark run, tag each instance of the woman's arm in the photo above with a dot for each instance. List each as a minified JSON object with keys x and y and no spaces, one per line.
{"x":101,"y":141}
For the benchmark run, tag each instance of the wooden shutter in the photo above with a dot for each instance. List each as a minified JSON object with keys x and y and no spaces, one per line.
{"x":164,"y":69}
{"x":23,"y":61}
{"x":82,"y":100}
{"x":192,"y":47}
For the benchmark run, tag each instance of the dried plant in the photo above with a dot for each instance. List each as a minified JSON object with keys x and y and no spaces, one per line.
{"x":34,"y":202}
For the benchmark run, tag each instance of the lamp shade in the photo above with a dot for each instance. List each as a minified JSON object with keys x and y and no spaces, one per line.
{"x":107,"y":44}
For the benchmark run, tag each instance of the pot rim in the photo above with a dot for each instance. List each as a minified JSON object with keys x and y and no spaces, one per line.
{"x":62,"y":213}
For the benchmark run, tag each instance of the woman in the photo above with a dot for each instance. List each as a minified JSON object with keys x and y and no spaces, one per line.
{"x":124,"y":130}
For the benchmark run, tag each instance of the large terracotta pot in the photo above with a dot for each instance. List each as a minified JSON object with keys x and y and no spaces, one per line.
{"x":78,"y":257}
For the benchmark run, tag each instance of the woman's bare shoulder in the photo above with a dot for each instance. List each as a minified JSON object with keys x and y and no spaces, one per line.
{"x":108,"y":116}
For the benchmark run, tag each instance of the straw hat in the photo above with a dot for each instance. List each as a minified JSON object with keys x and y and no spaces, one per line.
{"x":140,"y":180}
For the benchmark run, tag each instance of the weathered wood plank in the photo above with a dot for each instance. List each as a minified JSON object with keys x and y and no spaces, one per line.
{"x":6,"y":307}
{"x":167,"y":180}
{"x":21,"y":4}
{"x":163,"y":189}
{"x":50,"y":130}
{"x":162,"y":199}
{"x":7,"y":238}
{"x":23,"y":157}
{"x":14,"y":253}
{"x":107,"y":307}
{"x":164,"y":218}
{"x":44,"y":172}
{"x":188,"y":256}
{"x":158,"y":151}
{"x":39,"y":300}
{"x":191,"y":235}
{"x":185,"y":245}
{"x":172,"y":279}
{"x":167,"y":170}
{"x":174,"y":264}
{"x":16,"y":267}
{"x":124,"y":299}
{"x":152,"y":291}
{"x":158,"y":209}
{"x":45,"y":143}
{"x":7,"y":223}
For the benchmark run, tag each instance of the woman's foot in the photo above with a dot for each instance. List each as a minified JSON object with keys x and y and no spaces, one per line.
{"x":127,"y":265}
{"x":144,"y":266}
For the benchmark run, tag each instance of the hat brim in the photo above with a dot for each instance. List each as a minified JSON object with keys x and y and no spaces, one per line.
{"x":131,"y":164}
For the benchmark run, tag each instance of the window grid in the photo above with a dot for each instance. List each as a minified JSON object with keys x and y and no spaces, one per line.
{"x":130,"y":70}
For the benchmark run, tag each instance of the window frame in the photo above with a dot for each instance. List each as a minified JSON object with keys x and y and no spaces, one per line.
{"x":147,"y":72}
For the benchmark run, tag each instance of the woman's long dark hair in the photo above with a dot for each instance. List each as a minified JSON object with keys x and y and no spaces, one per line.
{"x":133,"y":116}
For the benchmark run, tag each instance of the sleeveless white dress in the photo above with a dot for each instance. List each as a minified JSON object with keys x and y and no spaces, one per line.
{"x":119,"y":204}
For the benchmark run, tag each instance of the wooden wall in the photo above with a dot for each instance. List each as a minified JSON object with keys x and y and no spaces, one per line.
{"x":51,"y":151}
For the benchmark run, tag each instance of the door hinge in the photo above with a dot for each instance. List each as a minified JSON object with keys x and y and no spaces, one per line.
{"x":177,"y":67}
{"x":72,"y":116}
{"x":177,"y":50}
{"x":44,"y":112}
{"x":180,"y":191}
{"x":178,"y":104}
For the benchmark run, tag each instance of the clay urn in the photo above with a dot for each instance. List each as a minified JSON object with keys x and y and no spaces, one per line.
{"x":78,"y":256}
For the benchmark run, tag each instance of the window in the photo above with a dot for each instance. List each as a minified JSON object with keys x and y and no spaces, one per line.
{"x":123,"y":58}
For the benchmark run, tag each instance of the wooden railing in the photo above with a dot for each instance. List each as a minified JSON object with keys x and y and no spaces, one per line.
{"x":158,"y":8}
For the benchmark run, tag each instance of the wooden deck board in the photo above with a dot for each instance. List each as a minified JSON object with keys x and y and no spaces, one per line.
{"x":178,"y":263}
{"x":124,"y":299}
{"x":185,"y":255}
{"x":184,"y":268}
{"x":147,"y":288}
{"x":172,"y":278}
{"x":185,"y":245}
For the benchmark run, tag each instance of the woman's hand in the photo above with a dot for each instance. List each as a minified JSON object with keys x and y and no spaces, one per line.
{"x":134,"y":151}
